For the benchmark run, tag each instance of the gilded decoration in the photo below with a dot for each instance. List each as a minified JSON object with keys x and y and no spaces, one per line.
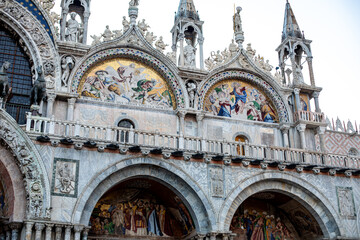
{"x":126,"y":81}
{"x":239,"y":100}
{"x":143,"y":208}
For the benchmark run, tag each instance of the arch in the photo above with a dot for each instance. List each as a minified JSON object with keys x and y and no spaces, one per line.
{"x":133,"y":120}
{"x":305,"y":193}
{"x":247,"y":136}
{"x":39,"y":45}
{"x":13,"y":180}
{"x":166,"y":173}
{"x":353,"y":152}
{"x":269,"y":90}
{"x":169,"y":74}
{"x":304,"y":47}
{"x":30,"y":164}
{"x":197,"y":29}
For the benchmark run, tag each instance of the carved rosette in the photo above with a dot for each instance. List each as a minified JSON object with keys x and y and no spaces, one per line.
{"x":28,"y":165}
{"x":34,"y":38}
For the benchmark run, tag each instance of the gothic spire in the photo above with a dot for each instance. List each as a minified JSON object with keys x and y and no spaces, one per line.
{"x":291,"y":27}
{"x":187,"y":10}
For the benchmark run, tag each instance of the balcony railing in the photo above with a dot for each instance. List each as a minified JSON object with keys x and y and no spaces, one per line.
{"x":307,"y":116}
{"x":38,"y":126}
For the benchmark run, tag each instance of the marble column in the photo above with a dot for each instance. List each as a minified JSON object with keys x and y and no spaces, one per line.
{"x":15,"y":227}
{"x":213,"y":236}
{"x":285,"y":132}
{"x":297,"y":99}
{"x":182,"y":59}
{"x":181,"y":115}
{"x":86,"y":24}
{"x":50,"y":104}
{"x":311,"y":70}
{"x":201,"y":44}
{"x":48,"y":231}
{"x":321,"y":131}
{"x":315,"y":95}
{"x":39,"y":228}
{"x":70,"y":110}
{"x":67,"y":232}
{"x":77,"y":230}
{"x":200,"y":127}
{"x":7,"y":233}
{"x":58,"y":231}
{"x":63,"y":25}
{"x":85,"y":233}
{"x":28,"y":230}
{"x":301,"y":128}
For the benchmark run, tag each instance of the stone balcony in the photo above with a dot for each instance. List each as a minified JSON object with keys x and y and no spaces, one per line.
{"x":125,"y":140}
{"x":311,"y":119}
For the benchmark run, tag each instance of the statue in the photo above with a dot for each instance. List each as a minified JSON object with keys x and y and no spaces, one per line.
{"x":189,"y":54}
{"x":143,"y":27}
{"x":4,"y":80}
{"x":237,"y":21}
{"x":298,"y":74}
{"x":126,"y":24}
{"x":47,"y":4}
{"x":217,"y":57}
{"x":72,"y":29}
{"x":233,"y":48}
{"x":160,"y":45}
{"x":267,"y":66}
{"x":150,"y":37}
{"x":67,"y":64}
{"x":38,"y":91}
{"x":117,"y":33}
{"x":97,"y":39}
{"x":250,"y":52}
{"x":134,"y":3}
{"x":209,"y":63}
{"x":191,"y":88}
{"x":108,"y":34}
{"x":172,"y":56}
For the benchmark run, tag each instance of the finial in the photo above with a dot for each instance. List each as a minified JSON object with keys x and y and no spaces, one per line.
{"x":133,"y":11}
{"x":239,"y":34}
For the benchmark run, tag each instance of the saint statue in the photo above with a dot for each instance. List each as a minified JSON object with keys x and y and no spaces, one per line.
{"x":108,"y":34}
{"x":160,"y":45}
{"x":237,"y":21}
{"x":126,"y":24}
{"x":189,"y":54}
{"x":72,"y":29}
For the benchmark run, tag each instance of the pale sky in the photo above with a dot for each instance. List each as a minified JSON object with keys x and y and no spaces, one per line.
{"x":333,"y":25}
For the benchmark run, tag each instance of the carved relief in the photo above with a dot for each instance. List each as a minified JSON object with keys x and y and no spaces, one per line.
{"x":216,"y":176}
{"x":346,"y":201}
{"x":65,"y":177}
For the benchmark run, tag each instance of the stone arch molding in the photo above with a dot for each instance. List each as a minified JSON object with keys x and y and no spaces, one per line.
{"x":142,"y":55}
{"x":37,"y":42}
{"x":305,"y":193}
{"x":28,"y":160}
{"x":167,"y":174}
{"x":269,"y":90}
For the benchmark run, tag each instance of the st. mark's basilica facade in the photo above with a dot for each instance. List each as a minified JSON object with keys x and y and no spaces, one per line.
{"x":111,"y":137}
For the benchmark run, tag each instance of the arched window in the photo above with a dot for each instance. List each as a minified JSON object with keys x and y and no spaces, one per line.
{"x":123,"y":135}
{"x":353,"y":152}
{"x":240,"y":149}
{"x":19,"y":73}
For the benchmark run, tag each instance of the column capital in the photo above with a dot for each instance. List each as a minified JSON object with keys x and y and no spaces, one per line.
{"x":181,"y":113}
{"x":86,"y":230}
{"x":315,"y":94}
{"x":284,"y":128}
{"x":71,"y":101}
{"x":201,"y":40}
{"x":39,"y":226}
{"x":78,"y":228}
{"x":49,"y":226}
{"x":301,"y":127}
{"x":321,"y":130}
{"x":58,"y":228}
{"x":200,"y":117}
{"x":181,"y":36}
{"x":15,"y":225}
{"x":51,"y":96}
{"x":297,"y":91}
{"x":310,"y":58}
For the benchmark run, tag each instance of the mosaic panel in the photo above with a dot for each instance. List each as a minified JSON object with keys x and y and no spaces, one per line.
{"x":126,"y":81}
{"x":262,"y":85}
{"x":138,"y":56}
{"x":239,"y":100}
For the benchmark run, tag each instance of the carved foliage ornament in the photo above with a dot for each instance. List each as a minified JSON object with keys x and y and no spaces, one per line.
{"x":28,"y":166}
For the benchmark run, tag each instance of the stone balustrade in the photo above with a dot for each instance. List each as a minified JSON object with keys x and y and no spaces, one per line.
{"x":190,"y":147}
{"x":307,"y":116}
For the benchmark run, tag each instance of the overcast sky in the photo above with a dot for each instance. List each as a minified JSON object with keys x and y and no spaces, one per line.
{"x":333,"y":25}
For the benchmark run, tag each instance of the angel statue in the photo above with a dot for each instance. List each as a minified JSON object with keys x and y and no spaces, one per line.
{"x":134,"y":3}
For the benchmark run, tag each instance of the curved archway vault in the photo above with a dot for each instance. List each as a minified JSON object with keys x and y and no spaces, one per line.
{"x":166,"y":174}
{"x":305,"y":194}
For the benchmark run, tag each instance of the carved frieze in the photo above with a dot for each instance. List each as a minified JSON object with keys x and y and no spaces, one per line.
{"x":65,"y":177}
{"x":216,"y":178}
{"x":346,"y":202}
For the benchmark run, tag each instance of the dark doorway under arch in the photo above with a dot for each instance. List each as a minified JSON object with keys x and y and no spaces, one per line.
{"x":273,"y":215}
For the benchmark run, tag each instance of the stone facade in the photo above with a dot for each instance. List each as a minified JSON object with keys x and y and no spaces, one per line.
{"x":121,"y":116}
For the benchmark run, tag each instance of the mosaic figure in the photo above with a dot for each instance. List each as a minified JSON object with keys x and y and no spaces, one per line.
{"x":239,"y":100}
{"x":124,"y":81}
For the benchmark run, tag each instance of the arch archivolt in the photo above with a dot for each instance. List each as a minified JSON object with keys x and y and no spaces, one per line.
{"x":31,"y":166}
{"x":166,"y":173}
{"x":250,"y":78}
{"x":305,"y":193}
{"x":34,"y":38}
{"x":304,"y":47}
{"x":197,"y":29}
{"x":169,"y":74}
